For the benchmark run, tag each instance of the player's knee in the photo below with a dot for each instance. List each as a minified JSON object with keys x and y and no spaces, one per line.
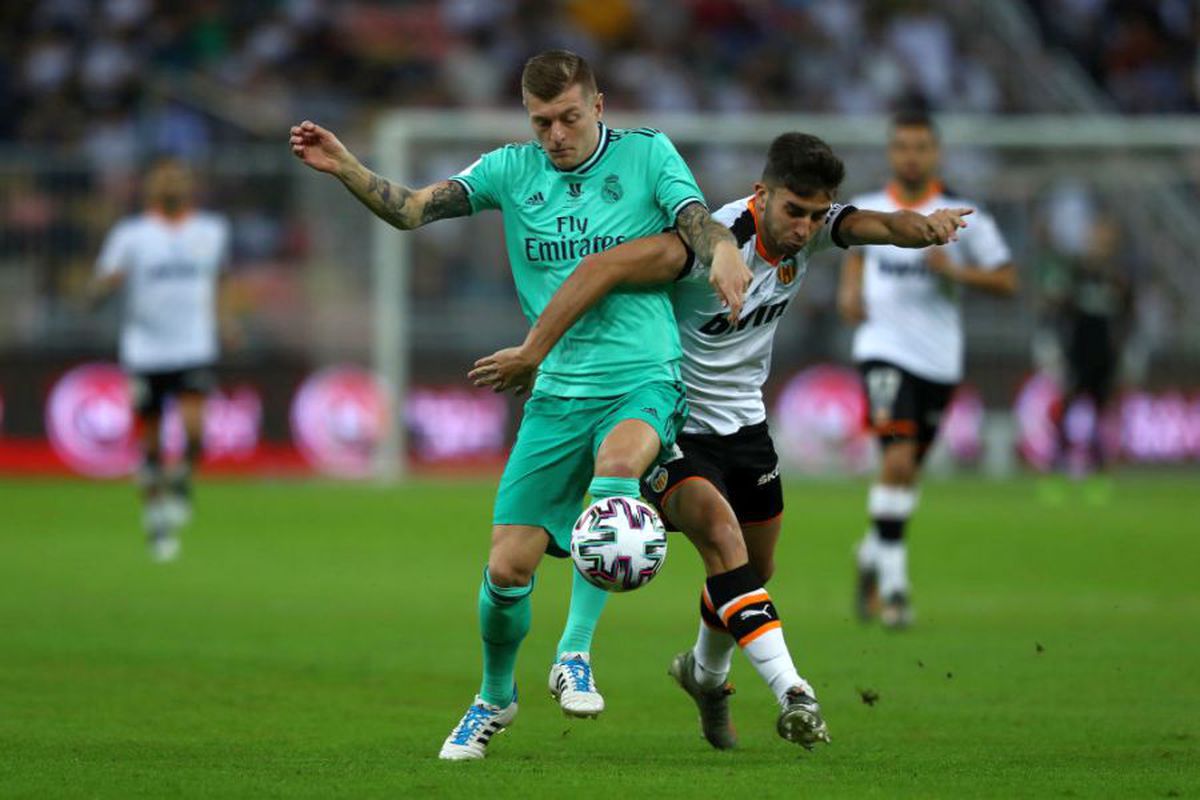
{"x":900,"y":465}
{"x":721,"y":543}
{"x":764,"y":565}
{"x":618,"y":466}
{"x":507,"y":574}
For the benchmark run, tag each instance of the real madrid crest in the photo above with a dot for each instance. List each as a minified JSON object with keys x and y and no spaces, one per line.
{"x":611,"y":190}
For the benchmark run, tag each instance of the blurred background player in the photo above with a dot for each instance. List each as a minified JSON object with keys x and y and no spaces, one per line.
{"x":168,"y":261}
{"x":1092,"y":302}
{"x":608,"y":401}
{"x":909,"y":347}
{"x":721,"y":485}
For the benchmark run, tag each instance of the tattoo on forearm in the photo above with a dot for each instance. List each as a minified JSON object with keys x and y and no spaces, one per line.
{"x":448,"y":199}
{"x":395,"y":203}
{"x":701,"y":231}
{"x":388,"y":200}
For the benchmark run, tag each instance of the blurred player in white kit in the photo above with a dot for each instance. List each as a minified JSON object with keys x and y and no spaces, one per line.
{"x":909,"y":347}
{"x":168,"y":261}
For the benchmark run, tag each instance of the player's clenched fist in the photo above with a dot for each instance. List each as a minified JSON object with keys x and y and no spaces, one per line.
{"x":318,"y":148}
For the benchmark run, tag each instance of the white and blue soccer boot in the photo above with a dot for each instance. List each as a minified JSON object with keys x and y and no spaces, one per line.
{"x":574,"y":686}
{"x":470,"y":737}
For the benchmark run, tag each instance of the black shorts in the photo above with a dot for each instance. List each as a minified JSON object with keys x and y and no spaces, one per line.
{"x":152,"y":389}
{"x":743,"y":466}
{"x":902,"y":406}
{"x":1092,"y":366}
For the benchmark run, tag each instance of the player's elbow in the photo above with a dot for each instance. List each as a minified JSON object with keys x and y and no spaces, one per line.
{"x":403,"y":222}
{"x":1011,"y":283}
{"x":666,"y":260}
{"x":597,"y":267}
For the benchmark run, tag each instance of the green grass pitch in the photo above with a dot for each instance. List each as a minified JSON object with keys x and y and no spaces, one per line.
{"x":319,"y":640}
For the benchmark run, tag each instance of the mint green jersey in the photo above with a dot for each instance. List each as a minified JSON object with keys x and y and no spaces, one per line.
{"x":634,"y":185}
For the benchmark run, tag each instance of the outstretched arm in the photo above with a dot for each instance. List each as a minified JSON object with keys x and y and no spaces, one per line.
{"x":910,"y":229}
{"x":714,"y":245}
{"x":395,"y":204}
{"x":650,"y":260}
{"x":902,"y":228}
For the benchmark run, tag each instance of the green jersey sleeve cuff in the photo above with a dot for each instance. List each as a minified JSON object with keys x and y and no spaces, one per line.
{"x":687,"y":201}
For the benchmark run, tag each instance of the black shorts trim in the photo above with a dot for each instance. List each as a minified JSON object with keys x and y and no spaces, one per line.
{"x":151,"y":390}
{"x":902,"y":406}
{"x":742,"y":466}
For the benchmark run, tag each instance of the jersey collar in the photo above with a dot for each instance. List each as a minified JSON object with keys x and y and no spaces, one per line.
{"x":158,"y":215}
{"x":893,"y":193}
{"x":758,"y":239}
{"x":594,"y":158}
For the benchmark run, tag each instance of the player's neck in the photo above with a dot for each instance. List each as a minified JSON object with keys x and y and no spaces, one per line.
{"x":763,"y":243}
{"x":591,"y":151}
{"x":770,"y":249}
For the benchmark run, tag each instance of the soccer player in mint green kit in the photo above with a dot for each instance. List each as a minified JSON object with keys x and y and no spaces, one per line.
{"x":608,"y":398}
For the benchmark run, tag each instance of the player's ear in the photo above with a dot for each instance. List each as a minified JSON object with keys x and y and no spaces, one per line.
{"x":598,"y":105}
{"x":760,"y":193}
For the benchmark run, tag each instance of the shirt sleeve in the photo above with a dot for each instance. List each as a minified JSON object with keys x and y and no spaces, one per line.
{"x":674,"y":187}
{"x":114,"y":253}
{"x":827,"y":236}
{"x":983,"y":245}
{"x":484,"y":180}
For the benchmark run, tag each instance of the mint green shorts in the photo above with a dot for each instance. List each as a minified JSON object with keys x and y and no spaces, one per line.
{"x":551,"y":463}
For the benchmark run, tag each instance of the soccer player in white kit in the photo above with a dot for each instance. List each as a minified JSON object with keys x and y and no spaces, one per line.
{"x":909,"y":348}
{"x":722,"y":488}
{"x":168,"y":261}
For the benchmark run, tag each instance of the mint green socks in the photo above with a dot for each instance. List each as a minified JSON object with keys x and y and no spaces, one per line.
{"x":587,"y":601}
{"x":504,"y":617}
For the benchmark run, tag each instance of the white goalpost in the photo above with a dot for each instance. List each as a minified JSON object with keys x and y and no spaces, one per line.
{"x":1151,"y":159}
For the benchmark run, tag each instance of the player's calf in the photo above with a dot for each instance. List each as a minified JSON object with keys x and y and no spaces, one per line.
{"x":746,"y":610}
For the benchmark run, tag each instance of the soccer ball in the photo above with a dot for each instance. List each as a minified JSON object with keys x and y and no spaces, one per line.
{"x":619,"y":544}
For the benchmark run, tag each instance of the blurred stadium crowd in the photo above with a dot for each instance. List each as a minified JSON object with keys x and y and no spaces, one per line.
{"x":108,"y":75}
{"x":91,"y":88}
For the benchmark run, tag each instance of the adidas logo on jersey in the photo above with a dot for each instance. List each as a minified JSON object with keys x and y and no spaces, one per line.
{"x":535,"y":199}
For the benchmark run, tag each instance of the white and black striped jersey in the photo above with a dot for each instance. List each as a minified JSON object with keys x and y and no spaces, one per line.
{"x":912,"y":315}
{"x":726,"y":364}
{"x":171,"y":269}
